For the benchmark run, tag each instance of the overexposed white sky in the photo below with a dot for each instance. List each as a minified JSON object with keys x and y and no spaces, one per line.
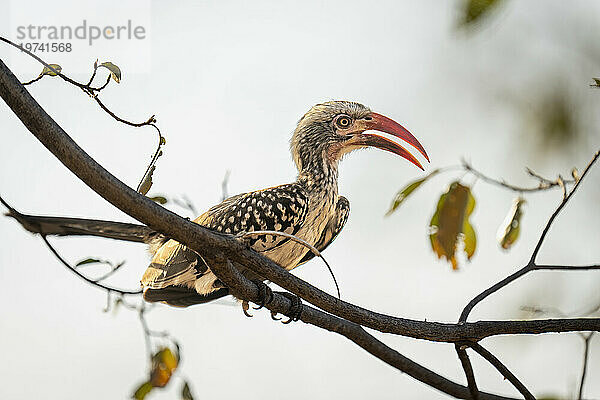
{"x":228,"y":81}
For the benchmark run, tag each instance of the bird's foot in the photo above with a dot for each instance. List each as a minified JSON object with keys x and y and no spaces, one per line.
{"x":265,"y":294}
{"x":295,"y":311}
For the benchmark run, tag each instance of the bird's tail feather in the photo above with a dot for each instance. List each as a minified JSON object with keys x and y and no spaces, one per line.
{"x":179,"y":296}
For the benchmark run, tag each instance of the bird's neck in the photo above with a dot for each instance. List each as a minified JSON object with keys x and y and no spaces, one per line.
{"x":319,"y":175}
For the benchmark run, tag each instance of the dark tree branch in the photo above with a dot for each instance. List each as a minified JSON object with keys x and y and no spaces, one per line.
{"x":506,"y":373}
{"x":59,"y":226}
{"x":433,"y":331}
{"x":468,"y":368}
{"x":242,"y":288}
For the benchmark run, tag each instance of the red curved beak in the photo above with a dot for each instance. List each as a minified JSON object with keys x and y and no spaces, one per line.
{"x":384,"y":124}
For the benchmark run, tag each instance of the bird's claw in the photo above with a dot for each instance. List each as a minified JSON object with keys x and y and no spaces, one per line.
{"x":265,"y":294}
{"x":245,"y":308}
{"x":295,"y":311}
{"x":274,"y":316}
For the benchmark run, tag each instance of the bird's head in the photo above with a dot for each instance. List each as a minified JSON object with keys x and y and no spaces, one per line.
{"x":330,"y":130}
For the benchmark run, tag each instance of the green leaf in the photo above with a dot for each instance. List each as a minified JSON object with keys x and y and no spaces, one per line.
{"x":163,"y":141}
{"x":142,"y":391}
{"x":407,"y":191}
{"x":115,"y":72}
{"x":474,"y":10}
{"x":146,"y":183}
{"x":89,"y":261}
{"x":509,"y":231}
{"x":159,"y":199}
{"x":49,"y":72}
{"x":450,"y":224}
{"x":186,"y":393}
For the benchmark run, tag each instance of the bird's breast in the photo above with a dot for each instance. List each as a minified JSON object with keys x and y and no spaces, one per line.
{"x":321,"y":208}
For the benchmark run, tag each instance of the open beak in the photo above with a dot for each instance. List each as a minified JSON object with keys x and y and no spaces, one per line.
{"x":381,"y":123}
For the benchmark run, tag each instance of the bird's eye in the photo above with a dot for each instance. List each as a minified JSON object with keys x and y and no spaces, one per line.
{"x":343,"y":122}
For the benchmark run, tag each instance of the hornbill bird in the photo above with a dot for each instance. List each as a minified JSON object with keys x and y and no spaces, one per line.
{"x":309,"y":208}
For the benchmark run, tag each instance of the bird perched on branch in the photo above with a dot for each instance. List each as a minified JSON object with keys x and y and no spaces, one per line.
{"x":309,"y":208}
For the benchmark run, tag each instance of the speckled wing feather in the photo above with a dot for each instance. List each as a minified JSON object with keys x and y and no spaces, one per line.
{"x":281,"y":208}
{"x":333,"y":228}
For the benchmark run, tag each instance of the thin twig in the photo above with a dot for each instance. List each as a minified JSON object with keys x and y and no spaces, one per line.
{"x":297,"y":240}
{"x":567,"y":267}
{"x":468,"y":368}
{"x":111,"y":272}
{"x":586,"y":352}
{"x":506,"y":373}
{"x":33,"y":80}
{"x":544,"y":184}
{"x":85,"y":278}
{"x":224,"y":191}
{"x":560,"y":207}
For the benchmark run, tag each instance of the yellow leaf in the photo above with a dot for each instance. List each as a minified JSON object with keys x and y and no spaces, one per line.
{"x":469,"y":236}
{"x":115,"y":72}
{"x":169,"y":359}
{"x":470,"y":239}
{"x":49,"y":72}
{"x":509,"y":231}
{"x":164,"y":362}
{"x":450,"y":223}
{"x":159,"y":199}
{"x":146,"y":183}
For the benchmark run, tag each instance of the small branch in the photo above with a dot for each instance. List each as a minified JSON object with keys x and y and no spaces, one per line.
{"x":506,"y":373}
{"x":296,"y":239}
{"x":544,"y":184}
{"x":586,"y":352}
{"x":566,"y":267}
{"x":110,"y":273}
{"x":468,"y":368}
{"x":531,"y":266}
{"x":149,"y":122}
{"x":560,"y":207}
{"x":33,"y":80}
{"x":85,"y":278}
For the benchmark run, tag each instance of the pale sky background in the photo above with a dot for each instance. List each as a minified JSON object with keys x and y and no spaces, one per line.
{"x":228,"y":81}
